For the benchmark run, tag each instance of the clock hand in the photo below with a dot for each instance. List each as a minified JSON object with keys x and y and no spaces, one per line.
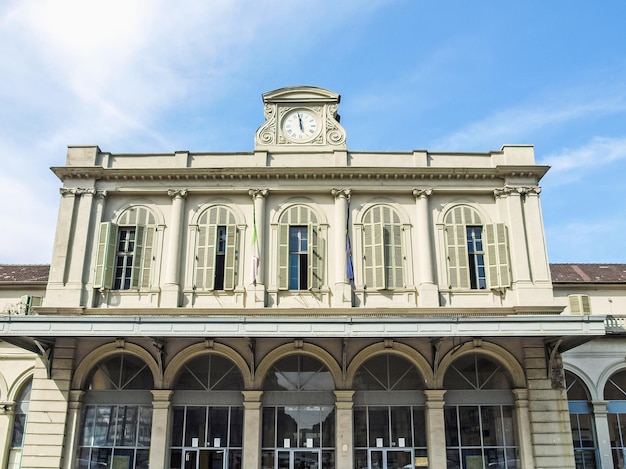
{"x":300,"y":122}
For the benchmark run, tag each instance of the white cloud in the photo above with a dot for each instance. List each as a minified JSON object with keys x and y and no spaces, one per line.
{"x":517,"y":124}
{"x":596,"y":153}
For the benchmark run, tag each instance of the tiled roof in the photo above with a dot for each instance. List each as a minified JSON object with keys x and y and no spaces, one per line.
{"x":24,"y":273}
{"x":588,"y":273}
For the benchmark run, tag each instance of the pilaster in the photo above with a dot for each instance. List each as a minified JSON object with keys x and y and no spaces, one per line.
{"x":251,"y":429}
{"x":428,"y":293}
{"x":603,"y":436}
{"x":344,"y":430}
{"x":171,"y":287}
{"x":72,"y":425}
{"x":342,"y":288}
{"x":159,"y":437}
{"x":523,"y":425}
{"x":540,"y":268}
{"x":255,"y":294}
{"x":7,"y":414}
{"x":435,"y":427}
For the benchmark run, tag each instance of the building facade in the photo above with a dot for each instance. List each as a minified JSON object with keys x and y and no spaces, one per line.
{"x":304,"y":306}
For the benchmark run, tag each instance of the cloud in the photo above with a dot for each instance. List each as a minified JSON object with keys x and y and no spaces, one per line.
{"x":516,"y":125}
{"x":598,"y":152}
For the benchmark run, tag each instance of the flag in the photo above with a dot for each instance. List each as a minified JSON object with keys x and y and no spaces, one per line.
{"x":256,"y":260}
{"x":350,"y":267}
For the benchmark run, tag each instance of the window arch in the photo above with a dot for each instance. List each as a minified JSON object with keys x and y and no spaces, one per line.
{"x":125,"y":253}
{"x":217,"y":250}
{"x":581,"y":421}
{"x":301,"y":248}
{"x":207,"y":413}
{"x":383,"y":249}
{"x":117,"y":414}
{"x":477,"y":253}
{"x":298,"y":428}
{"x":389,"y":413}
{"x":479,"y":414}
{"x":20,"y":418}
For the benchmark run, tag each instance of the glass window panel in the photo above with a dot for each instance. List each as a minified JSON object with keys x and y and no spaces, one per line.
{"x":615,"y":389}
{"x":218,"y":426}
{"x":178,"y":419}
{"x":473,"y":458}
{"x":176,"y":458}
{"x":328,"y":460}
{"x":142,"y":459}
{"x":195,"y":426}
{"x":401,"y":426}
{"x":360,"y":459}
{"x":378,"y":426}
{"x":576,"y":390}
{"x":469,"y":419}
{"x":491,"y":422}
{"x":123,"y":459}
{"x":83,"y":458}
{"x":360,"y":426}
{"x":234,"y":459}
{"x":586,"y":430}
{"x":236,"y":426}
{"x":101,"y":457}
{"x":309,"y":426}
{"x":328,"y":427}
{"x":614,"y":430}
{"x":419,"y":427}
{"x":452,"y":426}
{"x":89,"y":422}
{"x":145,"y":426}
{"x":103,"y":434}
{"x":453,"y":459}
{"x":286,"y":426}
{"x":126,"y":426}
{"x":269,"y":427}
{"x":267,"y":460}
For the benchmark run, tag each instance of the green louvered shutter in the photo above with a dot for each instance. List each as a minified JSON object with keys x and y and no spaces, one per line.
{"x":458,"y":269}
{"x":148,"y":254}
{"x":230,"y":271}
{"x":498,"y":256}
{"x":316,"y":258}
{"x":105,"y":256}
{"x":135,"y":275}
{"x":283,"y":256}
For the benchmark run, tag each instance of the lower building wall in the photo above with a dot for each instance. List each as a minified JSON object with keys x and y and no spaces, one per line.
{"x":543,"y":427}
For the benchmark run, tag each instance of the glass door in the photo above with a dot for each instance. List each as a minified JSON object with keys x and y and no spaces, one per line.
{"x":298,"y":459}
{"x":205,"y":459}
{"x":391,"y":459}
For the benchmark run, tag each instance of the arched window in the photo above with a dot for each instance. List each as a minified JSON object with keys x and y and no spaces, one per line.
{"x":20,"y":418}
{"x":389,"y":417}
{"x":217,"y":250}
{"x":581,"y":420}
{"x":124,"y":259}
{"x":477,"y":253}
{"x":300,"y":250}
{"x":383,"y":249}
{"x":207,"y":415}
{"x":117,"y":415}
{"x":615,"y":393}
{"x":298,"y":414}
{"x":479,"y":414}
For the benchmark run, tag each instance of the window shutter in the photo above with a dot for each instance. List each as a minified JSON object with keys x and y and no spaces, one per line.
{"x":146,"y":263}
{"x":498,"y":256}
{"x":316,"y":259}
{"x":579,"y":304}
{"x":377,"y":281}
{"x":231,"y":257}
{"x":201,"y":257}
{"x":135,"y":275}
{"x":283,"y":256}
{"x":396,"y":260}
{"x":105,"y":257}
{"x":458,"y":269}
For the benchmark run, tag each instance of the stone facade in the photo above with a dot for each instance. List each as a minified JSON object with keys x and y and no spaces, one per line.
{"x":300,"y":281}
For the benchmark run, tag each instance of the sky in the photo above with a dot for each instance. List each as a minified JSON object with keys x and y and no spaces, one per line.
{"x":161,"y":76}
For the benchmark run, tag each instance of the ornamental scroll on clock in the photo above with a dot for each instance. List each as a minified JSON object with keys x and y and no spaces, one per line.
{"x":303,"y":116}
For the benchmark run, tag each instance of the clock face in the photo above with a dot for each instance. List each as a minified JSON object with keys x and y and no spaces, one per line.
{"x":300,"y":125}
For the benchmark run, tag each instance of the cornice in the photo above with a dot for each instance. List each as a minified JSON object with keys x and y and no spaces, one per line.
{"x":290,"y":173}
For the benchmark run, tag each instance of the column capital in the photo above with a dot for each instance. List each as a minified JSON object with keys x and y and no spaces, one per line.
{"x":7,"y":408}
{"x":177,"y":193}
{"x":422,"y":192}
{"x":516,"y":190}
{"x":344,"y":395}
{"x":434,"y":397}
{"x":521,"y":397}
{"x":340,"y":193}
{"x":252,"y":396}
{"x":254,"y":193}
{"x":599,"y":407}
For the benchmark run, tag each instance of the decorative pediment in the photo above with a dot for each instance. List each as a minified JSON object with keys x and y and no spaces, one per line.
{"x":301,"y":118}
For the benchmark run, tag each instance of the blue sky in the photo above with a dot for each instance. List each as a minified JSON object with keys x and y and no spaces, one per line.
{"x":156,"y":75}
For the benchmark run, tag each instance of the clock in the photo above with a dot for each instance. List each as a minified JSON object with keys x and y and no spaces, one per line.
{"x":300,"y":125}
